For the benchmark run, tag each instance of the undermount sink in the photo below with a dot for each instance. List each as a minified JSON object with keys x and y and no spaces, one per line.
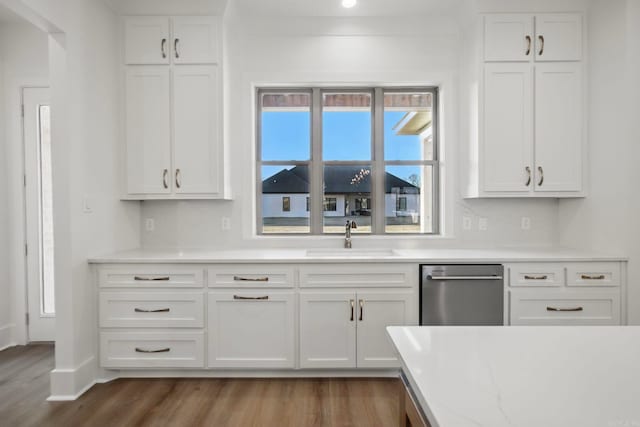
{"x":350,"y":253}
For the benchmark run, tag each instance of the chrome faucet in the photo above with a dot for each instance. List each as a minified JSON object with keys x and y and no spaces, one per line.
{"x":347,"y":233}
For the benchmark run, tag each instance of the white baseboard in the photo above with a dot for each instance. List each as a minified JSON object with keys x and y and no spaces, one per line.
{"x":5,"y":337}
{"x":69,"y":384}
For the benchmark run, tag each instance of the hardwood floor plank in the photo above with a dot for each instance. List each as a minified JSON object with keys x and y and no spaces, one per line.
{"x":219,"y":402}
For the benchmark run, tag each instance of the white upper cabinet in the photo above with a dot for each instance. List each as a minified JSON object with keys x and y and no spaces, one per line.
{"x":178,"y":40}
{"x":146,"y":40}
{"x":558,"y":37}
{"x":558,"y":127}
{"x":148,"y":133}
{"x":196,"y":129}
{"x":173,"y":108}
{"x":195,"y":40}
{"x":508,"y":124}
{"x":508,"y":37}
{"x":529,"y":138}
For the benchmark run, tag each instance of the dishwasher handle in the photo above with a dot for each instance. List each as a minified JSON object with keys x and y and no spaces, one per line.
{"x":430,"y":277}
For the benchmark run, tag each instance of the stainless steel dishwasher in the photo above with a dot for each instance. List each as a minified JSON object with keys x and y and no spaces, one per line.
{"x":461,"y":295}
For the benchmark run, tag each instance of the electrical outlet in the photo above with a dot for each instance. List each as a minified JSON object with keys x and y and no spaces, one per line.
{"x":226,"y":223}
{"x":483,"y":224}
{"x":466,"y":223}
{"x":87,"y":204}
{"x":525,"y":223}
{"x":150,"y":224}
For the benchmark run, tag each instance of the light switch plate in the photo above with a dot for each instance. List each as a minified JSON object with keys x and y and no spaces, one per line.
{"x":483,"y":224}
{"x":226,"y":223}
{"x":466,"y":222}
{"x":525,"y":223}
{"x":149,"y":224}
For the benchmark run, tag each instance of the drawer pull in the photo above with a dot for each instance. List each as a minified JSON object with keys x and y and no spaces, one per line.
{"x":543,"y":277}
{"x":361,"y":303}
{"x":266,"y":297}
{"x":160,"y":350}
{"x":159,"y":310}
{"x":250,"y":279}
{"x":352,"y":302}
{"x":564,"y":309}
{"x":151,"y":279}
{"x":588,"y":277}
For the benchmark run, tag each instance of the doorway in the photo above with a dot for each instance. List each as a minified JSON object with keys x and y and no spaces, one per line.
{"x":39,"y":247}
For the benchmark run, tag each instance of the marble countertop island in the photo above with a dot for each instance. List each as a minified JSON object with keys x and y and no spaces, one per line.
{"x":523,"y":376}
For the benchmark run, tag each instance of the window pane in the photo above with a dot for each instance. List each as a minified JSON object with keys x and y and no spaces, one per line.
{"x":286,"y":126}
{"x":408,"y":199}
{"x":408,"y":126}
{"x":285,"y":190}
{"x":347,"y":196}
{"x":46,"y":204}
{"x":346,"y":126}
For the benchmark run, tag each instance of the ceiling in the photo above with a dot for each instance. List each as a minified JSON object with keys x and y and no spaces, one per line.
{"x":285,"y":7}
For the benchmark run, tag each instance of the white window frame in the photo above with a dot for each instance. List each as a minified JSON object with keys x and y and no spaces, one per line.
{"x":377,"y":162}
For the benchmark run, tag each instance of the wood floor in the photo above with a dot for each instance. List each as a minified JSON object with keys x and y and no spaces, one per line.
{"x":24,"y":386}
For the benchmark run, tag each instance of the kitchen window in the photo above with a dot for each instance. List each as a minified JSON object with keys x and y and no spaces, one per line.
{"x":368,"y":155}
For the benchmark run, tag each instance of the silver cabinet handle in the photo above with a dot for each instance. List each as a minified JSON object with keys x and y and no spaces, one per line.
{"x":361,"y":303}
{"x":464,"y":277}
{"x":543,"y":277}
{"x":161,"y":350}
{"x":159,"y":310}
{"x":178,"y":178}
{"x":239,"y":297}
{"x":175,"y":48}
{"x":528,"y":170}
{"x":564,"y":309}
{"x":250,"y":279}
{"x":589,"y":277}
{"x":528,"y":51}
{"x":163,"y":44}
{"x":352,"y":302}
{"x":541,"y":172}
{"x":164,"y":178}
{"x":151,"y":279}
{"x":541,"y":51}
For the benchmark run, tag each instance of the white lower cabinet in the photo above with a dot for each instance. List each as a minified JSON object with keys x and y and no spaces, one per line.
{"x":565,"y":307}
{"x":157,"y":349}
{"x":251,"y":329}
{"x":347,"y":329}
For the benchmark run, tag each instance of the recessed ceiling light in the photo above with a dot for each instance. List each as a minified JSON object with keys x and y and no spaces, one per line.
{"x":348,"y":3}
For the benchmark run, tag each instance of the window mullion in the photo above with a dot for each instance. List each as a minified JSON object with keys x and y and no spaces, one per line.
{"x":316,"y":171}
{"x":377,"y":188}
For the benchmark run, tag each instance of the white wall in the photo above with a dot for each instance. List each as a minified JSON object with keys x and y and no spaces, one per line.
{"x":85,"y":79}
{"x":607,"y":219}
{"x":24,"y":53}
{"x":269,"y":50}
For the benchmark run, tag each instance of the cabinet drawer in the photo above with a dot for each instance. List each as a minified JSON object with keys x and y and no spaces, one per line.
{"x":152,"y":349}
{"x":536,"y":275}
{"x":251,"y":276}
{"x":565,"y":307}
{"x":151,"y":309}
{"x":151,"y":276}
{"x":360,"y":275}
{"x":593,"y":274}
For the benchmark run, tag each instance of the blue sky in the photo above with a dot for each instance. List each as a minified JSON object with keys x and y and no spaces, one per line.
{"x":346,"y":136}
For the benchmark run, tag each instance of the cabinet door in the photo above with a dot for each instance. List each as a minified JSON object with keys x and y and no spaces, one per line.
{"x":507,"y":128}
{"x":195,"y":40}
{"x":558,"y":37}
{"x":508,"y":37}
{"x":148,"y":133}
{"x":558,"y":127}
{"x":327,"y":330}
{"x":251,"y":329}
{"x":146,"y":40}
{"x":376,"y":311}
{"x":196,"y":130}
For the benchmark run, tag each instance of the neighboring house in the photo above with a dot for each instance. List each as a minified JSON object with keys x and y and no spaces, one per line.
{"x":347,"y":193}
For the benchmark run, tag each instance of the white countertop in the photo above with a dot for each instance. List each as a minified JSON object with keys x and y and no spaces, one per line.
{"x":523,"y":376}
{"x":339,"y":255}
